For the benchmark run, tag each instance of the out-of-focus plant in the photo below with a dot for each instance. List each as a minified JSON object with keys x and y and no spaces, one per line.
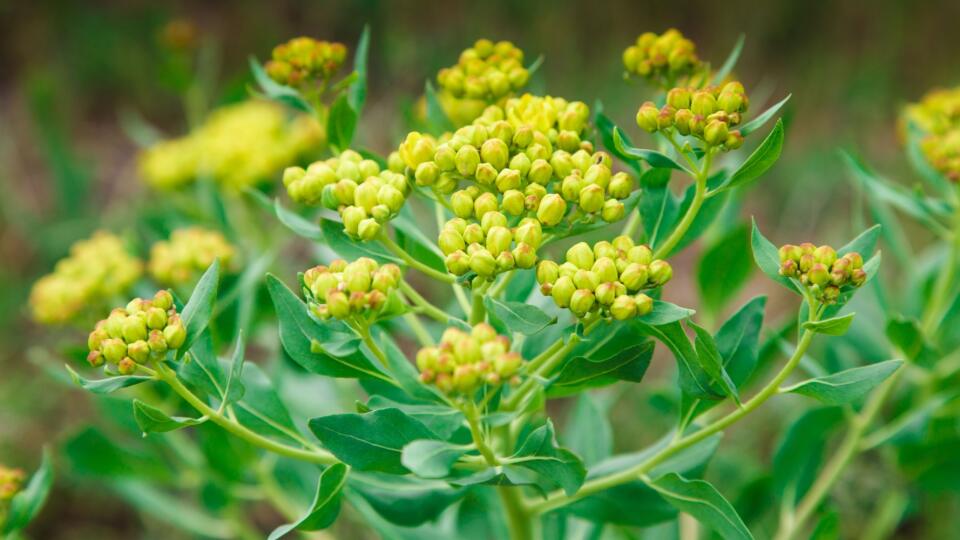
{"x":21,"y":500}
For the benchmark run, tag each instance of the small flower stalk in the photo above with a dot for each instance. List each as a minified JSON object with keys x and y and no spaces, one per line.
{"x":464,"y":362}
{"x":821,"y":271}
{"x":346,"y":291}
{"x":142,"y":332}
{"x":365,"y":196}
{"x":605,"y":280}
{"x":710,"y":115}
{"x":181,"y":259}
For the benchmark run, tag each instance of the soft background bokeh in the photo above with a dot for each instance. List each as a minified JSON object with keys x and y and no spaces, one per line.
{"x":80,"y":79}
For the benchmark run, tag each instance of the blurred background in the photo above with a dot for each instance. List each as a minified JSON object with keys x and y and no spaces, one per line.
{"x":83,"y":82}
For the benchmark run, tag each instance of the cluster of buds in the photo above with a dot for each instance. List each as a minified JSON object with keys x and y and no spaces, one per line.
{"x":938,"y":116}
{"x":238,"y":146}
{"x":303,"y":61}
{"x":188,"y":252}
{"x":144,"y":330}
{"x":942,"y":150}
{"x":490,"y":246}
{"x":606,"y":279}
{"x":487,"y":71}
{"x":363,"y":194}
{"x":709,"y":114}
{"x":820,"y":270}
{"x":11,"y":482}
{"x":463,"y":362}
{"x":344,"y":290}
{"x":97,"y":271}
{"x":663,"y":60}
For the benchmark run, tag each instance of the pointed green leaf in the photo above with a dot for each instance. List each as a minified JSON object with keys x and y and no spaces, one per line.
{"x":341,"y":123}
{"x":428,"y":458}
{"x":724,"y":268}
{"x":153,"y":420}
{"x":731,"y":60}
{"x":628,"y":364}
{"x":276,"y":91}
{"x":297,"y":223}
{"x":836,"y":326}
{"x":702,"y":501}
{"x":846,"y":386}
{"x":519,"y":317}
{"x":26,"y":504}
{"x":654,"y":158}
{"x":107,"y":385}
{"x":196,"y":314}
{"x":326,"y":503}
{"x":358,"y":90}
{"x":711,"y":362}
{"x":555,"y":466}
{"x":767,"y":257}
{"x":759,"y":161}
{"x":763,"y":118}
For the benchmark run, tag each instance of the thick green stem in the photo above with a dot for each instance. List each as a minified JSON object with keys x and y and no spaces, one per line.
{"x":413,"y":263}
{"x":428,"y":309}
{"x":599,"y":484}
{"x":311,"y":455}
{"x":700,"y":191}
{"x":478,"y":312}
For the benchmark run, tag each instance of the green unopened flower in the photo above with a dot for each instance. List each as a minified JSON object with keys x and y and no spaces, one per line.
{"x":187,"y":254}
{"x":710,"y":114}
{"x":464,"y":361}
{"x":343,"y":290}
{"x":821,"y":271}
{"x":663,"y":59}
{"x":552,"y":209}
{"x":305,"y":62}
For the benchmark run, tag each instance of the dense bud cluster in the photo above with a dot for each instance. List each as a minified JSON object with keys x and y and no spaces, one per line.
{"x":709,"y":114}
{"x":487,"y":71}
{"x":237,"y":146}
{"x":142,"y":331}
{"x":304,"y":61}
{"x":463,"y":362}
{"x":606,"y":279}
{"x":489,"y":246}
{"x":97,"y":271}
{"x":363,"y":194}
{"x":938,"y":116}
{"x":11,"y":482}
{"x":663,"y":59}
{"x":189,"y":252}
{"x":820,"y":270}
{"x":343,"y":290}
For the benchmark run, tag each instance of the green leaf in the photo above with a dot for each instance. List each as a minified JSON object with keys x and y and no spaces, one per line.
{"x":405,"y":501}
{"x":724,"y":268}
{"x":351,"y":249}
{"x":26,"y":504}
{"x":665,"y":313}
{"x":519,"y":317}
{"x":326,"y":503}
{"x":605,"y":128}
{"x":799,"y":451}
{"x":659,"y":208}
{"x":303,"y":339}
{"x":429,"y":458}
{"x":588,"y":432}
{"x":185,"y":515}
{"x":411,"y":237}
{"x":555,"y":466}
{"x":767,"y":257}
{"x":846,"y":386}
{"x":865,"y":243}
{"x":905,"y":334}
{"x":233,"y":389}
{"x":763,"y":118}
{"x":694,"y":381}
{"x":276,"y":91}
{"x":437,"y":120}
{"x":372,"y":441}
{"x":702,"y":501}
{"x":107,"y":385}
{"x":654,"y":158}
{"x":759,"y":161}
{"x":196,"y":314}
{"x":912,"y":203}
{"x":439,"y":419}
{"x":836,"y":326}
{"x":153,"y":420}
{"x":731,"y":61}
{"x":711,"y":362}
{"x":357,"y":94}
{"x":341,"y":123}
{"x":297,"y":223}
{"x":628,"y":364}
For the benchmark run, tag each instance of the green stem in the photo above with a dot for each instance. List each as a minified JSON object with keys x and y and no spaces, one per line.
{"x":599,"y":484}
{"x":501,"y":285}
{"x":407,"y":258}
{"x":633,"y":222}
{"x":477,"y":310}
{"x":845,"y":452}
{"x":941,"y":290}
{"x":429,"y":309}
{"x":680,"y":230}
{"x":424,"y":337}
{"x":310,"y":455}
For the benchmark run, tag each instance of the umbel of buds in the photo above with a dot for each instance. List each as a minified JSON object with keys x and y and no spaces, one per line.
{"x":663,"y":59}
{"x":188,"y":253}
{"x":96,"y":271}
{"x":303,"y":62}
{"x":821,"y":271}
{"x":489,"y":246}
{"x":143,"y":331}
{"x":237,"y":146}
{"x":607,"y":279}
{"x":463,"y":362}
{"x":11,"y":482}
{"x":363,"y":194}
{"x":487,"y":71}
{"x":345,"y":290}
{"x":709,"y":114}
{"x":942,"y":150}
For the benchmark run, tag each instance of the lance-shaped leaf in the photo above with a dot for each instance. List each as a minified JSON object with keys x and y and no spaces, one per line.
{"x":724,"y":268}
{"x":429,"y":458}
{"x":712,"y":362}
{"x":153,"y":420}
{"x":341,"y":123}
{"x":508,"y":316}
{"x":351,"y":249}
{"x":702,"y":501}
{"x":372,"y":441}
{"x":582,"y":372}
{"x":605,"y":128}
{"x":694,"y":381}
{"x":107,"y":385}
{"x":767,"y":257}
{"x":759,"y":161}
{"x":846,"y":386}
{"x":326,"y":503}
{"x":797,"y":456}
{"x":296,"y":223}
{"x":654,"y":158}
{"x":404,"y":500}
{"x":196,"y":314}
{"x":26,"y":504}
{"x":835,"y":326}
{"x":357,"y":94}
{"x":763,"y":117}
{"x":730,"y":62}
{"x":555,"y":466}
{"x":276,"y":91}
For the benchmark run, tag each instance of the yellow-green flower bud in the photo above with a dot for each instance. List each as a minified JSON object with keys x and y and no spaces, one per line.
{"x":703,"y":103}
{"x":292,"y":174}
{"x":582,"y":160}
{"x":338,"y":304}
{"x":513,"y":202}
{"x":95,"y":359}
{"x":547,"y":272}
{"x":395,"y":162}
{"x":139,"y":351}
{"x":818,"y":274}
{"x":492,"y":219}
{"x":605,"y":269}
{"x":562,"y":291}
{"x":592,"y":198}
{"x":634,"y":277}
{"x":599,"y":174}
{"x":660,"y":272}
{"x":640,"y":254}
{"x":856,"y":261}
{"x":483,"y":263}
{"x":114,"y":350}
{"x":507,"y":364}
{"x":530,"y":232}
{"x":580,"y":255}
{"x":462,"y":204}
{"x":458,"y":263}
{"x":156,"y":318}
{"x":134,"y":329}
{"x":495,"y":152}
{"x":621,"y":185}
{"x":498,"y":240}
{"x":486,"y":202}
{"x":568,"y":140}
{"x":715,"y":133}
{"x":569,"y":269}
{"x":540,"y":172}
{"x":789,"y":252}
{"x":582,"y":301}
{"x":624,"y":307}
{"x":508,"y":179}
{"x":644,"y":304}
{"x":352,"y":216}
{"x":426,"y":173}
{"x":730,"y":102}
{"x":163,"y":299}
{"x":679,"y":98}
{"x":473,"y":234}
{"x":505,"y":261}
{"x":858,"y":277}
{"x":647,"y":117}
{"x":96,"y":338}
{"x":734,"y":140}
{"x":356,"y":277}
{"x":523,"y":136}
{"x":450,"y":241}
{"x":157,"y":344}
{"x":126,"y":366}
{"x":613,"y":210}
{"x":368,"y":229}
{"x":562,"y":163}
{"x":486,"y":174}
{"x":391,"y":197}
{"x":416,"y":149}
{"x":586,"y":279}
{"x":520,"y":163}
{"x":552,"y":209}
{"x":571,"y":186}
{"x":445,"y":158}
{"x":468,"y":158}
{"x":525,"y":255}
{"x":825,"y":255}
{"x":606,"y":293}
{"x":175,"y":333}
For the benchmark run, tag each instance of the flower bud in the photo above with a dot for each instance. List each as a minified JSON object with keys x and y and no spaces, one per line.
{"x":582,"y":301}
{"x":498,"y":240}
{"x":458,"y":263}
{"x":450,"y":241}
{"x":356,"y":277}
{"x":624,"y":307}
{"x":156,"y":342}
{"x":175,"y":333}
{"x":468,"y":158}
{"x":445,"y":158}
{"x":734,"y":140}
{"x":606,"y":293}
{"x":647,"y":117}
{"x":715,"y":133}
{"x":530,"y":232}
{"x":789,"y":252}
{"x":368,"y":229}
{"x":598,"y":174}
{"x":96,"y":338}
{"x":635,"y":277}
{"x":644,"y":304}
{"x":126,"y":366}
{"x":540,"y":172}
{"x":473,"y":234}
{"x":562,"y":164}
{"x":156,"y":318}
{"x":703,"y":103}
{"x":495,"y":152}
{"x":483,"y":263}
{"x":505,"y":261}
{"x":462,"y":204}
{"x":134,"y":328}
{"x":547,"y":272}
{"x":338,"y":303}
{"x":570,"y":187}
{"x":352,"y":216}
{"x":660,"y":272}
{"x":139,"y":351}
{"x":552,"y":209}
{"x":586,"y":279}
{"x":292,"y":174}
{"x":858,"y":277}
{"x":416,"y":149}
{"x":825,"y":255}
{"x":818,"y":275}
{"x":806,"y":262}
{"x":665,"y":117}
{"x":426,"y":173}
{"x":486,"y":202}
{"x":562,"y":291}
{"x":513,"y":202}
{"x":580,"y":255}
{"x":605,"y":269}
{"x":95,"y":359}
{"x":524,"y":255}
{"x":856,"y":261}
{"x":621,"y":185}
{"x":114,"y":350}
{"x":613,"y":210}
{"x":492,"y":219}
{"x":789,"y":268}
{"x":730,"y":101}
{"x":508,"y":179}
{"x":486,"y":174}
{"x":679,"y":98}
{"x":163,"y":299}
